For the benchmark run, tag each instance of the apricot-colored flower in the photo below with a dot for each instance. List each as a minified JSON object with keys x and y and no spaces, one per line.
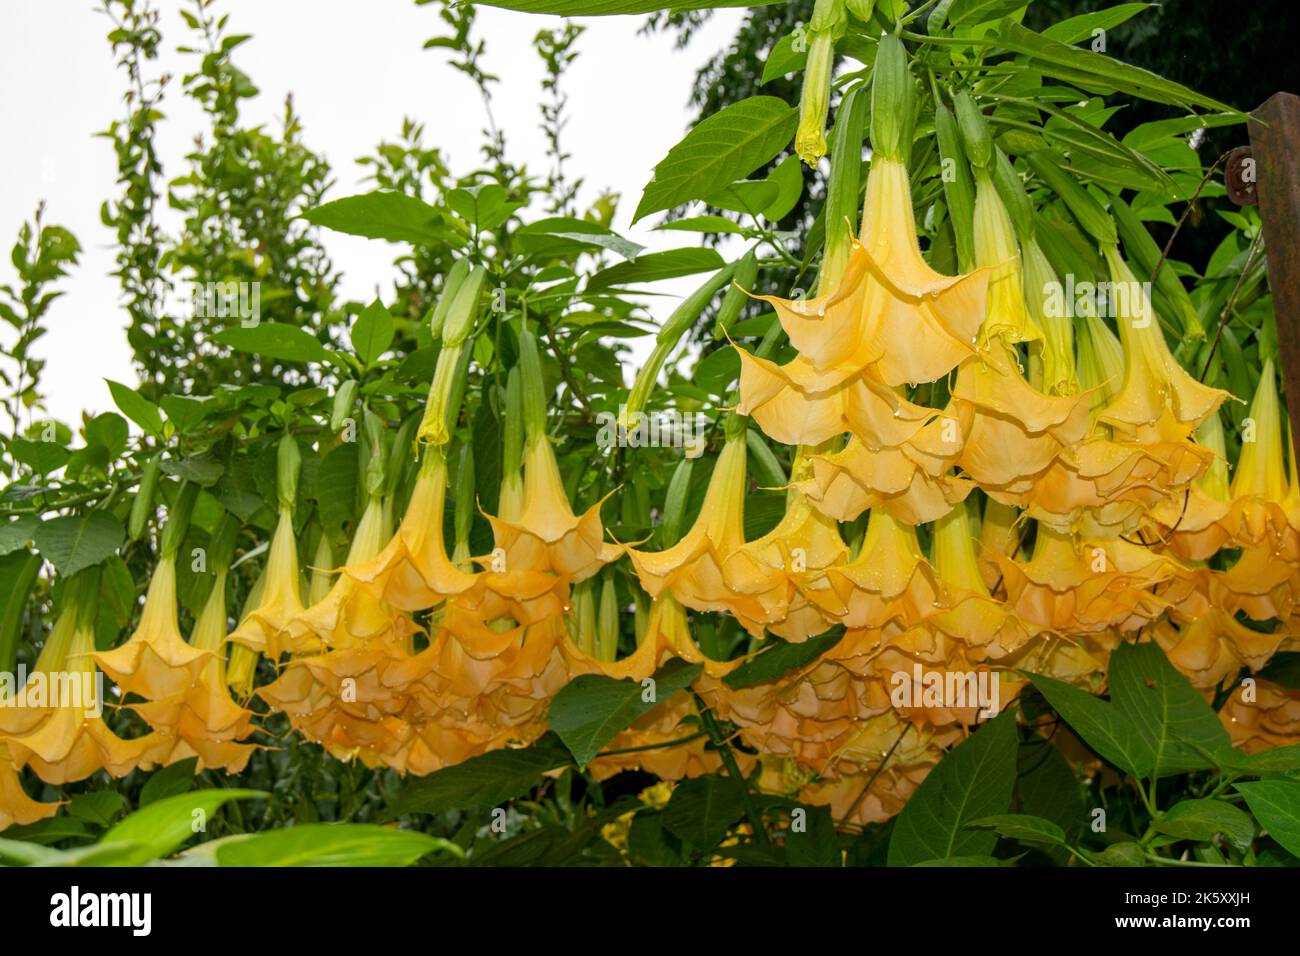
{"x":156,"y":662}
{"x":202,"y":718}
{"x":413,"y":572}
{"x":59,"y":730}
{"x":266,"y":628}
{"x":1262,"y":717}
{"x":15,"y":805}
{"x":691,"y":569}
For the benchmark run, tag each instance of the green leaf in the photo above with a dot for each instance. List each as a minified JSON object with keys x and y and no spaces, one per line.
{"x":703,"y":809}
{"x":100,"y":807}
{"x":971,"y":12}
{"x":783,"y":60}
{"x":974,"y":780}
{"x":591,"y":710}
{"x":156,"y":831}
{"x":1102,"y":727}
{"x":331,"y":844}
{"x":1078,"y":28}
{"x":136,"y":407}
{"x":564,"y":235}
{"x":778,"y":658}
{"x":722,"y":148}
{"x":287,"y":343}
{"x":487,"y":780}
{"x":604,"y":8}
{"x":1022,"y":827}
{"x":817,"y":844}
{"x":649,"y":841}
{"x":1099,"y":73}
{"x":17,"y":534}
{"x":396,"y":217}
{"x":1047,"y":787}
{"x":1276,"y":805}
{"x":372,"y":332}
{"x":484,"y":206}
{"x":658,"y":265}
{"x":1172,"y":717}
{"x":183,"y":411}
{"x":171,"y":781}
{"x":701,"y":224}
{"x":74,"y":543}
{"x":42,"y":457}
{"x":1128,"y":853}
{"x":110,"y":431}
{"x":201,"y":469}
{"x":788,"y":179}
{"x":1200,"y":820}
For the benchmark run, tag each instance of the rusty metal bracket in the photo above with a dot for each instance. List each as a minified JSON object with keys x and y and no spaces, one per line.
{"x":1239,"y":177}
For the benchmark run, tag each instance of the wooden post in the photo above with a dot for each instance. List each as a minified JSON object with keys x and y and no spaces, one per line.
{"x":1275,"y":149}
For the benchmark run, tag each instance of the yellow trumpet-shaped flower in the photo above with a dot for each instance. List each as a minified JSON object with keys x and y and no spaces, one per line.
{"x":351,"y":615}
{"x":798,"y":552}
{"x":910,"y":480}
{"x":1158,"y":400}
{"x":15,"y":805}
{"x":1087,"y":588}
{"x":156,"y":662}
{"x":1263,"y":717}
{"x":414,"y":572}
{"x":967,"y":613}
{"x":1211,"y":649}
{"x":1017,"y":431}
{"x":266,"y":628}
{"x":58,"y":730}
{"x":547,"y":535}
{"x":890,"y":582}
{"x":691,"y":570}
{"x":878,"y":768}
{"x":202,"y":718}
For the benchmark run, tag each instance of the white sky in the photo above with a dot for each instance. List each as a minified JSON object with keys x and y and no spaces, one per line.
{"x":355,"y":69}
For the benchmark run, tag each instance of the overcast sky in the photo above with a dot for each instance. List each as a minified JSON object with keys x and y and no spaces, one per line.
{"x":355,"y":69}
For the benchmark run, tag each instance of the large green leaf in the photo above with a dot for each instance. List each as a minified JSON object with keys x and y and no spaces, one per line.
{"x":1097,"y":72}
{"x":372,"y":332}
{"x":396,"y":217}
{"x":331,"y":844}
{"x":1100,"y":724}
{"x":655,"y":266}
{"x":1276,"y":805}
{"x":592,"y":710}
{"x":156,"y":831}
{"x":702,"y":809}
{"x":1177,"y":724}
{"x":486,"y":780}
{"x":1047,"y":787}
{"x":974,"y":780}
{"x":604,"y":8}
{"x":1078,"y":28}
{"x":722,"y":148}
{"x":779,"y":657}
{"x":287,"y":343}
{"x":136,"y":407}
{"x":73,"y":543}
{"x":1200,"y":820}
{"x":1022,"y":827}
